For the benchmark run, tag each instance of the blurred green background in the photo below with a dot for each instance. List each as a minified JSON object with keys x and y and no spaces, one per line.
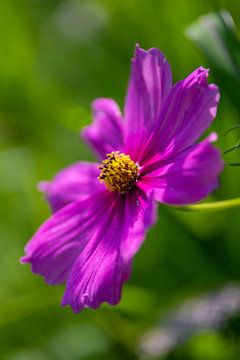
{"x":55,"y":58}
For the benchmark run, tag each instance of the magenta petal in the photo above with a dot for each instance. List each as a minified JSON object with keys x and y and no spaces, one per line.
{"x":105,"y":263}
{"x":89,"y":244}
{"x":98,"y":275}
{"x":141,"y":211}
{"x":58,"y":242}
{"x":72,"y":183}
{"x":99,"y":271}
{"x":149,"y":85}
{"x":105,"y":134}
{"x":187,"y":113}
{"x":187,"y":178}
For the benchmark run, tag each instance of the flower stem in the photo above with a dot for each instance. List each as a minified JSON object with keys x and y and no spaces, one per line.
{"x":210,"y":207}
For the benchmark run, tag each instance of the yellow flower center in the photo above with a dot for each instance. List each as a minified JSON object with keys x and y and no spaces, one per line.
{"x":118,"y":172}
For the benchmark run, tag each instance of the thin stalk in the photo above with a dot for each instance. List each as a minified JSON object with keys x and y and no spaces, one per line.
{"x":210,"y":207}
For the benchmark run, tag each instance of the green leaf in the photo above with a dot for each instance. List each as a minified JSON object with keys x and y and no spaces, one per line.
{"x":215,"y":35}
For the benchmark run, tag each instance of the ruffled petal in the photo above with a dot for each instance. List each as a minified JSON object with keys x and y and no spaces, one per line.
{"x":141,"y":210}
{"x":149,"y":85}
{"x":105,"y":134}
{"x":72,"y":183}
{"x":105,"y":263}
{"x":187,"y":178}
{"x":99,"y":272}
{"x":89,"y":244}
{"x":189,"y":110}
{"x":54,"y":248}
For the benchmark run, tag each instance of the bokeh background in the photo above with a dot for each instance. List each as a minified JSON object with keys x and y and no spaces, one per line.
{"x":183,"y":299}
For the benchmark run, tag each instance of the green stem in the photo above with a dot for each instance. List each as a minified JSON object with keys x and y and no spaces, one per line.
{"x":209,"y":207}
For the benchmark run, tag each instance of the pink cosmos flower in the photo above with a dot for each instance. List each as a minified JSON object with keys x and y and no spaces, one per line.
{"x":101,"y":213}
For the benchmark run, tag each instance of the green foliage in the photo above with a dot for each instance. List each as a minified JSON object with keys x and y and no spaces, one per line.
{"x":215,"y":34}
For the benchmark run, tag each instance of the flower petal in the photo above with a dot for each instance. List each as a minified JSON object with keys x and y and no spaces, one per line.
{"x":141,"y":211}
{"x":90,"y":244}
{"x":99,"y":272}
{"x":149,"y":85}
{"x":106,"y":133}
{"x":72,"y":183}
{"x":188,"y":177}
{"x":189,"y":110}
{"x":58,"y":242}
{"x":105,"y":263}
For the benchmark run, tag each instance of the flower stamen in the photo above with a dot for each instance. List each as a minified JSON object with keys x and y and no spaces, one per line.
{"x":118,"y":172}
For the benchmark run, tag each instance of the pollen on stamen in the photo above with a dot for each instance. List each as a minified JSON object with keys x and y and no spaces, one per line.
{"x":118,"y":172}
